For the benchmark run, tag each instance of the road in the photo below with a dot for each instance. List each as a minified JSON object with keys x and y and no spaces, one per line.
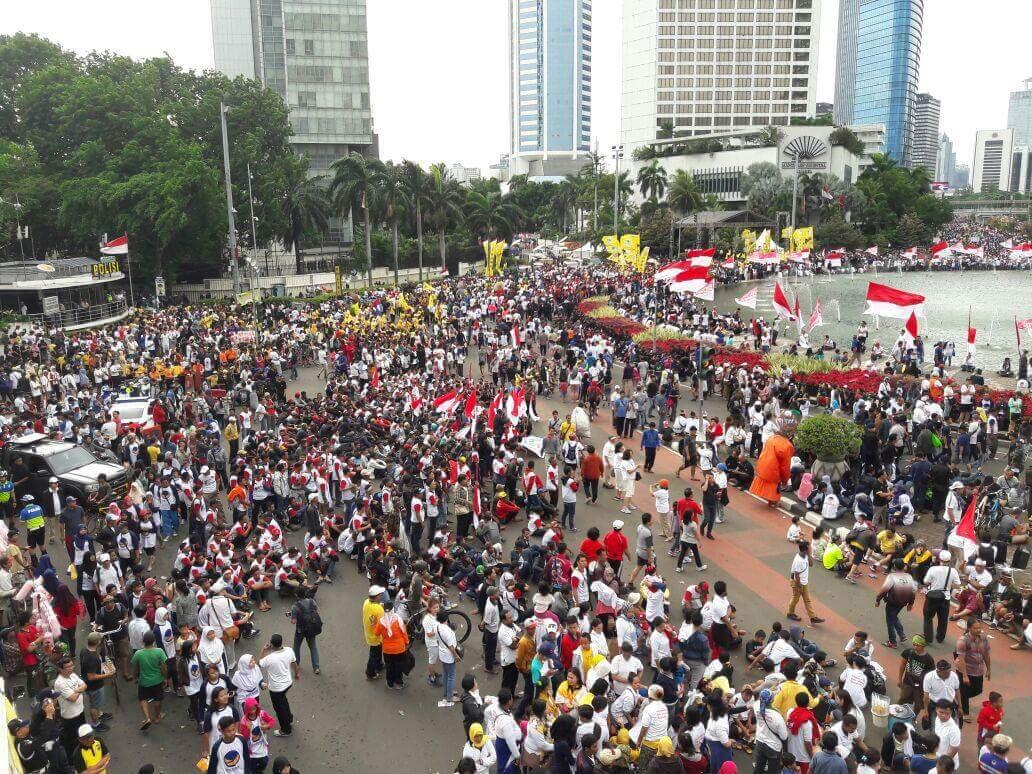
{"x":346,"y":723}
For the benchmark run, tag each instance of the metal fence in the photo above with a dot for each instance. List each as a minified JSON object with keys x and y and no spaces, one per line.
{"x":81,"y":318}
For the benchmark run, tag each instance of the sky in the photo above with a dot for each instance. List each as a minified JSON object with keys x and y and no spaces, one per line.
{"x":439,"y":77}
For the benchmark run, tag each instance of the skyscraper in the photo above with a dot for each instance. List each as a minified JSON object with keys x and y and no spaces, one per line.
{"x":1019,"y":114}
{"x":946,"y":164}
{"x":315,"y":55}
{"x":993,"y":154}
{"x":926,"y":133}
{"x":706,"y":66}
{"x":549,"y":85}
{"x":879,"y":60}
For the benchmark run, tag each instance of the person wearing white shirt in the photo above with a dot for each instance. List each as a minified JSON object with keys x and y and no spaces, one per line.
{"x":948,"y":731}
{"x":507,"y":734}
{"x":800,"y":575}
{"x":623,"y":665}
{"x":655,"y":718}
{"x":854,"y":681}
{"x":771,"y":736}
{"x":939,"y":684}
{"x":659,"y":644}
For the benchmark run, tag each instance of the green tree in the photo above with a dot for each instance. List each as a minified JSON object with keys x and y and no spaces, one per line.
{"x":835,"y":232}
{"x":652,"y":181}
{"x":21,"y":56}
{"x":445,"y":206}
{"x":911,"y":230}
{"x":351,"y":188}
{"x":391,"y":201}
{"x":489,"y":215}
{"x":665,"y":130}
{"x":417,"y":186}
{"x":306,"y":209}
{"x":683,"y":196}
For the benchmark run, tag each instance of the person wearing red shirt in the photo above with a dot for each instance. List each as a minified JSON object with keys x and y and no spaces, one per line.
{"x":505,"y":511}
{"x":591,"y":545}
{"x":591,"y":468}
{"x":29,"y":638}
{"x":615,"y":543}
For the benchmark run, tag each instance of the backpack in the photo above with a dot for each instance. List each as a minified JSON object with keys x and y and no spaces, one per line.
{"x":309,"y":622}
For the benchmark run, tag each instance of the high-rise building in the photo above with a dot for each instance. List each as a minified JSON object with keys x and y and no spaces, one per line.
{"x":708,"y":66}
{"x":992,"y":168}
{"x":879,"y":60}
{"x":926,"y":133}
{"x":961,"y":176}
{"x":824,"y":109}
{"x":464,"y":174}
{"x":873,"y":138}
{"x":549,"y":85}
{"x":1019,"y":114}
{"x":946,"y":163}
{"x":315,"y":55}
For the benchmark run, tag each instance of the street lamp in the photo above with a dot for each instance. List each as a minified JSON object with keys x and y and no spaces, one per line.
{"x":17,"y":219}
{"x":617,"y":155}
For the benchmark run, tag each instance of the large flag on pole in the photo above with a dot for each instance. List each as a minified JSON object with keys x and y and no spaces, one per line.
{"x":117,"y":246}
{"x":691,"y":280}
{"x":1022,"y":325}
{"x":447,"y":403}
{"x":963,"y":535}
{"x":709,"y":252}
{"x":781,"y":306}
{"x":471,"y":404}
{"x":939,"y":250}
{"x":748,"y":299}
{"x":816,"y":316}
{"x":910,"y":330}
{"x":885,"y":301}
{"x":970,"y":331}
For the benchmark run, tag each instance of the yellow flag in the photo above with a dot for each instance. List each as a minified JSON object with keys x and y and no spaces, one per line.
{"x":748,"y":240}
{"x":786,"y":234}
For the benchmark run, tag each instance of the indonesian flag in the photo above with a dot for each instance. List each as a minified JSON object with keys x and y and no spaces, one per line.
{"x":834,"y":258}
{"x":476,"y":505}
{"x":691,"y":280}
{"x":516,"y":403}
{"x":939,"y":250}
{"x":958,"y":248}
{"x":415,"y":399}
{"x":1022,"y":325}
{"x":447,"y":403}
{"x":707,"y":292}
{"x":668,"y":271}
{"x":471,"y":404}
{"x":885,"y":301}
{"x":910,"y":330}
{"x":975,"y":250}
{"x":517,"y":339}
{"x":970,"y":331}
{"x":816,"y":316}
{"x":872,"y":251}
{"x":799,"y":257}
{"x":729,"y":262}
{"x":117,"y":246}
{"x":493,"y":409}
{"x":709,"y":252}
{"x":453,"y":471}
{"x":781,"y":306}
{"x":1023,"y":250}
{"x":764,"y":258}
{"x":444,"y":271}
{"x":748,"y":299}
{"x":910,"y":253}
{"x":963,"y":535}
{"x":798,"y":315}
{"x":1008,"y":245}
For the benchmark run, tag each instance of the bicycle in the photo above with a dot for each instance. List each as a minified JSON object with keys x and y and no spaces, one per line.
{"x":108,"y":653}
{"x":456,"y":619}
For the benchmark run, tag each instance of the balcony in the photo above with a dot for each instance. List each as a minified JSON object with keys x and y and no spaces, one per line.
{"x":84,"y":317}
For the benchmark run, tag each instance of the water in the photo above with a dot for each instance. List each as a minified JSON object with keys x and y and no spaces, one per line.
{"x":1002,"y":295}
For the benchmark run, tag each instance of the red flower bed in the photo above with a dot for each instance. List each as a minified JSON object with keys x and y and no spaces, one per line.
{"x":620,"y":326}
{"x":669,"y":346}
{"x":858,"y":379}
{"x":589,"y":306}
{"x":741,"y":358}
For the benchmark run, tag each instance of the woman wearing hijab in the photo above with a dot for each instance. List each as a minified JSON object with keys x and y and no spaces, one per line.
{"x":395,"y":642}
{"x":211,"y":651}
{"x":247,"y":679}
{"x":478,"y":750}
{"x":665,"y":761}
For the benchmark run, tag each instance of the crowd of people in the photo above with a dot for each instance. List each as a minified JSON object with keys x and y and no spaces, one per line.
{"x":423,"y":459}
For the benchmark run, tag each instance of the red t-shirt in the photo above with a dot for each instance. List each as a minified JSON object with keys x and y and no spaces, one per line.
{"x":687,"y":507}
{"x":615,"y":544}
{"x":25,"y":638}
{"x":590,"y":548}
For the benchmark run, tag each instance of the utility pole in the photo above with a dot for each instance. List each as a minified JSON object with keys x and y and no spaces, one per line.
{"x":795,"y":189}
{"x":617,"y":153}
{"x":229,"y":202}
{"x":254,"y":236}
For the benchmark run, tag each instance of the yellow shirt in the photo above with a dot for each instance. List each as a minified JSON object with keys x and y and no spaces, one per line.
{"x":372,"y":612}
{"x":784,"y":699}
{"x":889,"y":542}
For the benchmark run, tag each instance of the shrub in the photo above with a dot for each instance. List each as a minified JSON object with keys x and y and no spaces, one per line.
{"x":828,"y":438}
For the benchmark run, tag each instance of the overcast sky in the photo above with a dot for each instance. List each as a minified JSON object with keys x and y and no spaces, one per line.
{"x":439,"y":67}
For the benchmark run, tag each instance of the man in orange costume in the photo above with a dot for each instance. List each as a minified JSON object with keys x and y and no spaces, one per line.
{"x":774,"y":466}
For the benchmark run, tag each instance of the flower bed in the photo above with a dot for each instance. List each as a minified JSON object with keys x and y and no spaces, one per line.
{"x":858,"y":379}
{"x":736,"y":358}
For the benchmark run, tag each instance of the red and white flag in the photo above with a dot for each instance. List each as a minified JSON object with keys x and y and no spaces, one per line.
{"x":1008,"y":245}
{"x":816,"y":316}
{"x":782,"y":308}
{"x":477,"y":507}
{"x":691,"y":280}
{"x":515,"y":335}
{"x":707,"y":292}
{"x":1022,"y":326}
{"x":516,"y":403}
{"x":748,"y":299}
{"x":447,"y":403}
{"x":729,"y":262}
{"x":471,"y":404}
{"x":117,"y":246}
{"x":492,"y":409}
{"x":872,"y":251}
{"x":1023,"y":250}
{"x":970,"y":331}
{"x":375,"y":380}
{"x":910,"y":253}
{"x":939,"y":250}
{"x":415,"y":399}
{"x":910,"y":330}
{"x":885,"y":301}
{"x":963,"y":535}
{"x":834,"y":258}
{"x":668,"y":271}
{"x":800,"y":256}
{"x":709,"y":252}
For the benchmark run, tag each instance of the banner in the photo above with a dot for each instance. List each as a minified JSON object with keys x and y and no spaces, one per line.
{"x":802,"y":239}
{"x":534,"y":443}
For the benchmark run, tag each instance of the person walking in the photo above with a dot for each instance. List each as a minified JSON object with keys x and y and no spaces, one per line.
{"x":150,"y":670}
{"x":650,"y":442}
{"x":973,"y":664}
{"x":800,"y":574}
{"x":281,"y":669}
{"x":899,"y":591}
{"x":308,"y":625}
{"x":939,"y":584}
{"x":372,"y":612}
{"x":591,"y":468}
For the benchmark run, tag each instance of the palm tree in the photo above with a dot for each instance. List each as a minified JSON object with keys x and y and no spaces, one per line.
{"x":352,"y":186}
{"x":445,"y":202}
{"x":565,"y":199}
{"x":652,"y":181}
{"x":417,"y":186}
{"x":593,"y":169}
{"x":306,"y":207}
{"x":665,"y":130}
{"x":491,"y":214}
{"x":391,"y":200}
{"x":683,"y":195}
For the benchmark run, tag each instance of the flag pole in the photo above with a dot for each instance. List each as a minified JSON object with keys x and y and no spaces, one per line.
{"x":129,"y":269}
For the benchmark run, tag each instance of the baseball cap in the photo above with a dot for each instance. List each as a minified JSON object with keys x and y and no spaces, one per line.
{"x":15,"y":723}
{"x":945,"y":556}
{"x":617,"y":524}
{"x":957,"y":485}
{"x":375,"y":591}
{"x":85,"y":730}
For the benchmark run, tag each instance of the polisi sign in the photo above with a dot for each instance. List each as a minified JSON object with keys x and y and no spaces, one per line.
{"x":807,"y":151}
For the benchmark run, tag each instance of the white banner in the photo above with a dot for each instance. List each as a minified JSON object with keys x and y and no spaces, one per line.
{"x":534,"y":443}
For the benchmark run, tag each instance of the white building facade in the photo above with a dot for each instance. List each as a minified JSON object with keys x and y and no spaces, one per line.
{"x":1019,"y":114}
{"x":705,"y":66}
{"x":991,"y":169}
{"x":926,"y":133}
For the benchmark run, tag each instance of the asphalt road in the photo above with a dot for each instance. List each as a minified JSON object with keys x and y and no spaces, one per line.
{"x":343,"y":722}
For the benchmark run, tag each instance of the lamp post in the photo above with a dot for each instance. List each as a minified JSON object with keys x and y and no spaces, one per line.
{"x":17,"y":220}
{"x":231,"y":235}
{"x":617,"y":155}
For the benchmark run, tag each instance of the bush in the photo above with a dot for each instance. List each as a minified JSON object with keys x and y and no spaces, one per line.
{"x":828,"y":438}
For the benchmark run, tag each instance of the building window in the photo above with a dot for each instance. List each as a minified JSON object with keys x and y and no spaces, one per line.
{"x":309,"y":48}
{"x":289,"y":45}
{"x":306,"y":99}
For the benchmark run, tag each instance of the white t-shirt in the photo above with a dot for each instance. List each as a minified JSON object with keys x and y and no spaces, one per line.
{"x":801,"y":569}
{"x":277,"y":665}
{"x":854,"y":681}
{"x":949,"y":736}
{"x":65,"y":686}
{"x":445,"y":641}
{"x":655,"y":719}
{"x":719,"y":608}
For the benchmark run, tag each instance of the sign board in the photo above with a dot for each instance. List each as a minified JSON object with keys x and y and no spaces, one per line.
{"x":534,"y":443}
{"x":51,"y":305}
{"x":106,"y":268}
{"x":805,"y":152}
{"x":159,"y":286}
{"x":243,"y":337}
{"x":338,"y":280}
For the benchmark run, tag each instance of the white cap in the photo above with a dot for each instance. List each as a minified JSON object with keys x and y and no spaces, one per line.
{"x":980,"y":561}
{"x":85,"y":730}
{"x":53,"y":480}
{"x":945,"y":556}
{"x":375,"y":591}
{"x":313,"y":495}
{"x":957,"y":485}
{"x":105,"y":557}
{"x":617,"y":524}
